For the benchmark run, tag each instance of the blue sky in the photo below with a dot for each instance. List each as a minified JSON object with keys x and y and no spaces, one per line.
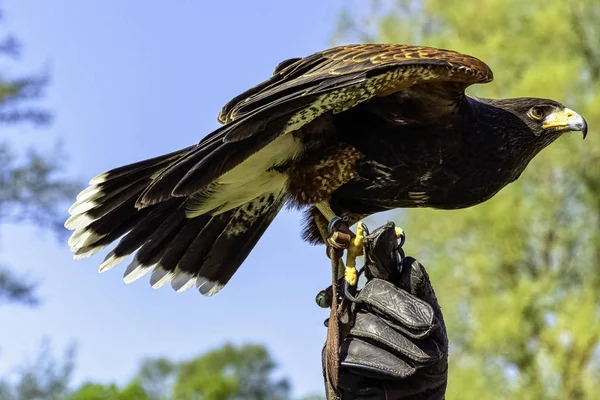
{"x":135,"y":79}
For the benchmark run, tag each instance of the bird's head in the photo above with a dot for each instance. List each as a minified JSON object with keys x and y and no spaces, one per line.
{"x":546,"y":119}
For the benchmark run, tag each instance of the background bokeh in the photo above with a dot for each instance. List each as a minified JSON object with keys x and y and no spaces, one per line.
{"x":100,"y":84}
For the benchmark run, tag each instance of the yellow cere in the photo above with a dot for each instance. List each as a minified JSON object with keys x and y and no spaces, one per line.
{"x":559,"y":119}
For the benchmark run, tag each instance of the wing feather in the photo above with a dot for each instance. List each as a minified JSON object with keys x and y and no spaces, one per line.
{"x":302,"y":76}
{"x":300,"y":91}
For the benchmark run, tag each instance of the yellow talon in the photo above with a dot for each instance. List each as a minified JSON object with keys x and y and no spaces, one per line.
{"x":360,"y":236}
{"x":399,"y":232}
{"x":356,"y":249}
{"x":351,"y":275}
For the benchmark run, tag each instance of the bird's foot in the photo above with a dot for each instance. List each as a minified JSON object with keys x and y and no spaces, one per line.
{"x":341,"y":237}
{"x":348,"y":274}
{"x":355,"y":249}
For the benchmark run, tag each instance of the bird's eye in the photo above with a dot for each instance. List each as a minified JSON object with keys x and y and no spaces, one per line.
{"x":537,"y":113}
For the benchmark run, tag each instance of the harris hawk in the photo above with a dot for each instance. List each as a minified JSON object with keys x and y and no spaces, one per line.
{"x":352,"y":131}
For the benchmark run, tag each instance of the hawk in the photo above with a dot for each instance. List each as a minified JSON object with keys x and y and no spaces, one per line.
{"x":352,"y":131}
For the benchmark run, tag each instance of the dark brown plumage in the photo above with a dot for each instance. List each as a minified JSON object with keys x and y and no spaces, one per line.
{"x":359,"y":129}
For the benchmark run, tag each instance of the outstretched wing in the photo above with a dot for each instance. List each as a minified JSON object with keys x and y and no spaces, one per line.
{"x":300,"y":91}
{"x":347,"y":75}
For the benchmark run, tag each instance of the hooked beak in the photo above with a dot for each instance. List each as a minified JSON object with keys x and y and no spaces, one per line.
{"x":566,"y":120}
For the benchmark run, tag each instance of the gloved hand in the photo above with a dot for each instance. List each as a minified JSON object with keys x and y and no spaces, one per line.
{"x":397,"y":346}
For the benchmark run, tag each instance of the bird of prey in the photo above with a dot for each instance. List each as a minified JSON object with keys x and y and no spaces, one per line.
{"x":349,"y":131}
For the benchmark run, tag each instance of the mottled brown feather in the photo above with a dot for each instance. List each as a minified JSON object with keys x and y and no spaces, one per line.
{"x":358,"y":62}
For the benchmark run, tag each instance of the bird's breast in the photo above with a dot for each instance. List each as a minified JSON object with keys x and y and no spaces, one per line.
{"x":453,"y":189}
{"x":452,"y":183}
{"x":322,"y":171}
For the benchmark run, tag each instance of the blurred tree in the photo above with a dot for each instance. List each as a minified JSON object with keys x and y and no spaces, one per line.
{"x":45,"y":378}
{"x":313,"y":397}
{"x":157,"y":376}
{"x":230,"y":372}
{"x":30,"y":189}
{"x":519,"y":276}
{"x":94,"y":391}
{"x":226,"y":373}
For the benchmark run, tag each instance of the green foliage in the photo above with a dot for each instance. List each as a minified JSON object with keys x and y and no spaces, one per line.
{"x":94,"y":391}
{"x":226,"y":373}
{"x":156,"y":376}
{"x":518,"y":276}
{"x":230,"y":372}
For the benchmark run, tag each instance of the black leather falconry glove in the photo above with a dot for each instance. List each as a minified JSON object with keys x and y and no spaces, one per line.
{"x":397,"y":346}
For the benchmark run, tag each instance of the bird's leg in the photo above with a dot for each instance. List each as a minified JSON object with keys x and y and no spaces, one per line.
{"x":341,"y":237}
{"x":338,"y":233}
